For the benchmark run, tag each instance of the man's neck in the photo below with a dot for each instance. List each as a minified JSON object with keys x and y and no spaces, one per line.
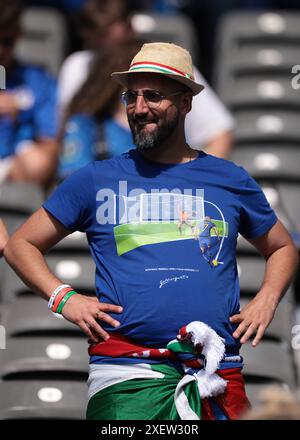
{"x":171,"y":152}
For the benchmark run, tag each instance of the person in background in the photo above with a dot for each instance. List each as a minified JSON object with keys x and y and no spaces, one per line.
{"x":95,"y":125}
{"x":28,"y":129}
{"x":105,"y":23}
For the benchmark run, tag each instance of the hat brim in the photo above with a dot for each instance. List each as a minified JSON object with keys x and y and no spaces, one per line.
{"x":122,"y":78}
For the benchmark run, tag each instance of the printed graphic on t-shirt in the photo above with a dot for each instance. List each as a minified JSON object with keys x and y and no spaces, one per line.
{"x":151,"y":218}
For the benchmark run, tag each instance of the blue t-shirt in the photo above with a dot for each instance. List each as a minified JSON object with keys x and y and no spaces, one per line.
{"x":38,"y":118}
{"x":129,"y":208}
{"x":84,"y":139}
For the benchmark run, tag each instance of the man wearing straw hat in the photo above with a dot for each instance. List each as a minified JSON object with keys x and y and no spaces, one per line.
{"x":165,"y":327}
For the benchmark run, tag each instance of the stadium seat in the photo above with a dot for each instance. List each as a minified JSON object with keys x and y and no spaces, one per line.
{"x":259,"y":58}
{"x":32,"y":355}
{"x":73,"y":269}
{"x":20,"y":198}
{"x":258,"y":91}
{"x":17,"y":202}
{"x":269,"y":360}
{"x":44,"y":41}
{"x":30,"y":316}
{"x":280,"y":328}
{"x":270,"y":125}
{"x":75,"y":242}
{"x":251,"y":274}
{"x":255,"y":385}
{"x":283,"y":197}
{"x":269,"y":161}
{"x":244,"y":247}
{"x":238,"y":29}
{"x":43,"y":399}
{"x":176,"y":29}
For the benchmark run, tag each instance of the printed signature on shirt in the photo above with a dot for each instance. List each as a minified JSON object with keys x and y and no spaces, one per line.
{"x":175,"y":279}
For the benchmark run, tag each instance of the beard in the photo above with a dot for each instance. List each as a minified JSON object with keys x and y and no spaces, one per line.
{"x":144,"y":140}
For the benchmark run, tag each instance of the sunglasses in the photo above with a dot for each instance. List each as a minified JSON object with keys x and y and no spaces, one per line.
{"x":152,"y":98}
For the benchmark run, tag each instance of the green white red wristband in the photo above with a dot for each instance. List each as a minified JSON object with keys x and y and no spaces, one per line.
{"x":55,"y":293}
{"x":64,"y":300}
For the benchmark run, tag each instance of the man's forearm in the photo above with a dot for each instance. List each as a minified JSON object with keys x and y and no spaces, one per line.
{"x":31,"y":266}
{"x":280,"y":270}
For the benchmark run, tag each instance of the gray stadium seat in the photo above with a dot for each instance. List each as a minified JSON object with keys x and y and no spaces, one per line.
{"x":76,"y":270}
{"x":176,"y":29}
{"x":55,"y":355}
{"x":269,"y":161}
{"x":244,"y":247}
{"x":270,"y":125}
{"x":42,"y":399}
{"x":44,"y":39}
{"x":20,"y":198}
{"x":257,"y":91}
{"x":75,"y":242}
{"x":254,"y":388}
{"x":284,"y":197}
{"x":261,"y":58}
{"x":239,"y":29}
{"x":251,"y":274}
{"x":30,"y":316}
{"x":283,"y":321}
{"x":269,"y":361}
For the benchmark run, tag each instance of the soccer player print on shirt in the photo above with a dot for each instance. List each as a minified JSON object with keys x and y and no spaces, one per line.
{"x":148,"y":219}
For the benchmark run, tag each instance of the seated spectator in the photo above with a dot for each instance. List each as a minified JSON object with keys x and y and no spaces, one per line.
{"x":96,"y":125}
{"x":28,"y":146}
{"x":105,"y":23}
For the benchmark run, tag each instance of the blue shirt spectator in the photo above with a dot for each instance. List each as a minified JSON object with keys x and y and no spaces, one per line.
{"x":35,"y":93}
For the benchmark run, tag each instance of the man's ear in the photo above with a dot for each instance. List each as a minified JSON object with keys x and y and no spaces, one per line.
{"x":186,"y":103}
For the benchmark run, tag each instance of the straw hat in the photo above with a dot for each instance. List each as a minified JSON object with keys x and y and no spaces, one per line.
{"x":164,"y":59}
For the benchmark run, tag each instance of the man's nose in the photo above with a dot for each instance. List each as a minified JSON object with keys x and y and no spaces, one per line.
{"x":141,"y":106}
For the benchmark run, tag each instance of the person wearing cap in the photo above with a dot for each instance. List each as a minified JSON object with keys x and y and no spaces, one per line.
{"x":165,"y":328}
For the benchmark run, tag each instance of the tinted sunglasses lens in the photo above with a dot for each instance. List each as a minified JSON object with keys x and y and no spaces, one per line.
{"x":152,"y":96}
{"x":129,"y":97}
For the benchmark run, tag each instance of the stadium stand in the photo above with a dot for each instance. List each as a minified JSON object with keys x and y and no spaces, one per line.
{"x":46,"y":356}
{"x":76,"y":270}
{"x":255,"y":54}
{"x":44,"y":41}
{"x":17,"y":202}
{"x":26,"y":356}
{"x":43,"y":399}
{"x":178,"y":29}
{"x":269,"y":360}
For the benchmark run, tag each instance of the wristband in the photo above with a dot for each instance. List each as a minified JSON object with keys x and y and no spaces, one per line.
{"x":64,"y":300}
{"x":59,"y":297}
{"x":55,"y":293}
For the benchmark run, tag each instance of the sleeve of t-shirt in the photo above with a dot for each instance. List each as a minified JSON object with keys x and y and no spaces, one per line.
{"x":73,"y":201}
{"x":45,"y":111}
{"x":208,"y":118}
{"x":256,"y":214}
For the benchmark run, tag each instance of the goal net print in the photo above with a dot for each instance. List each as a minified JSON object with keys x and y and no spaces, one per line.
{"x":171,"y":207}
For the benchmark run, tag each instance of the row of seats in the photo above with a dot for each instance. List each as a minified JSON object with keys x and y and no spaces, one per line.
{"x":256,"y":52}
{"x":45,"y":35}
